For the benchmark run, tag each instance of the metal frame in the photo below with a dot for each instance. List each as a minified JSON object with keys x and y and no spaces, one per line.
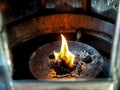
{"x":5,"y":62}
{"x":97,"y":84}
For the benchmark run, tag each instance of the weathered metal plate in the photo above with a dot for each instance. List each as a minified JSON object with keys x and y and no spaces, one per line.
{"x":39,"y":61}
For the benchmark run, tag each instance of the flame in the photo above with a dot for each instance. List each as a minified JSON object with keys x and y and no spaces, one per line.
{"x":65,"y":54}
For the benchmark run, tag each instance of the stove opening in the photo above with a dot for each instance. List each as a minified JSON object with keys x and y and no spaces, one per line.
{"x":23,"y":52}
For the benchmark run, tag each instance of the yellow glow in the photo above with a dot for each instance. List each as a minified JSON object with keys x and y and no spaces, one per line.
{"x":65,"y":54}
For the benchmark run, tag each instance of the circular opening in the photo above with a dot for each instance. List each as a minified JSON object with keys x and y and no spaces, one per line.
{"x":87,"y":60}
{"x":51,"y":56}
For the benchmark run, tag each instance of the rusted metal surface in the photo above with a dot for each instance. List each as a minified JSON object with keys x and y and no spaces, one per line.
{"x":39,"y":61}
{"x":15,"y":10}
{"x":84,"y":4}
{"x":59,"y":23}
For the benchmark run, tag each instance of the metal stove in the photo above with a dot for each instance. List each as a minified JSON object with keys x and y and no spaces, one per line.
{"x":30,"y":33}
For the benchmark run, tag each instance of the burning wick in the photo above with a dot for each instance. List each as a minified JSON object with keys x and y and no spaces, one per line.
{"x":65,"y":54}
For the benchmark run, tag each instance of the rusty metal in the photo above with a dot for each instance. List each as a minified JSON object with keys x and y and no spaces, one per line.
{"x":106,"y":84}
{"x":84,"y":4}
{"x":60,"y":23}
{"x":39,"y":61}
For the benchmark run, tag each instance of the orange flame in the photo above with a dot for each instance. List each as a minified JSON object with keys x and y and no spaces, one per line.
{"x":65,"y":54}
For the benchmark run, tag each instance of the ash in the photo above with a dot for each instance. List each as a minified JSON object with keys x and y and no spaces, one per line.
{"x":81,"y":54}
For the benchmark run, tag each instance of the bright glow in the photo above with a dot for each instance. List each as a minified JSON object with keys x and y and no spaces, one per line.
{"x":65,"y":54}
